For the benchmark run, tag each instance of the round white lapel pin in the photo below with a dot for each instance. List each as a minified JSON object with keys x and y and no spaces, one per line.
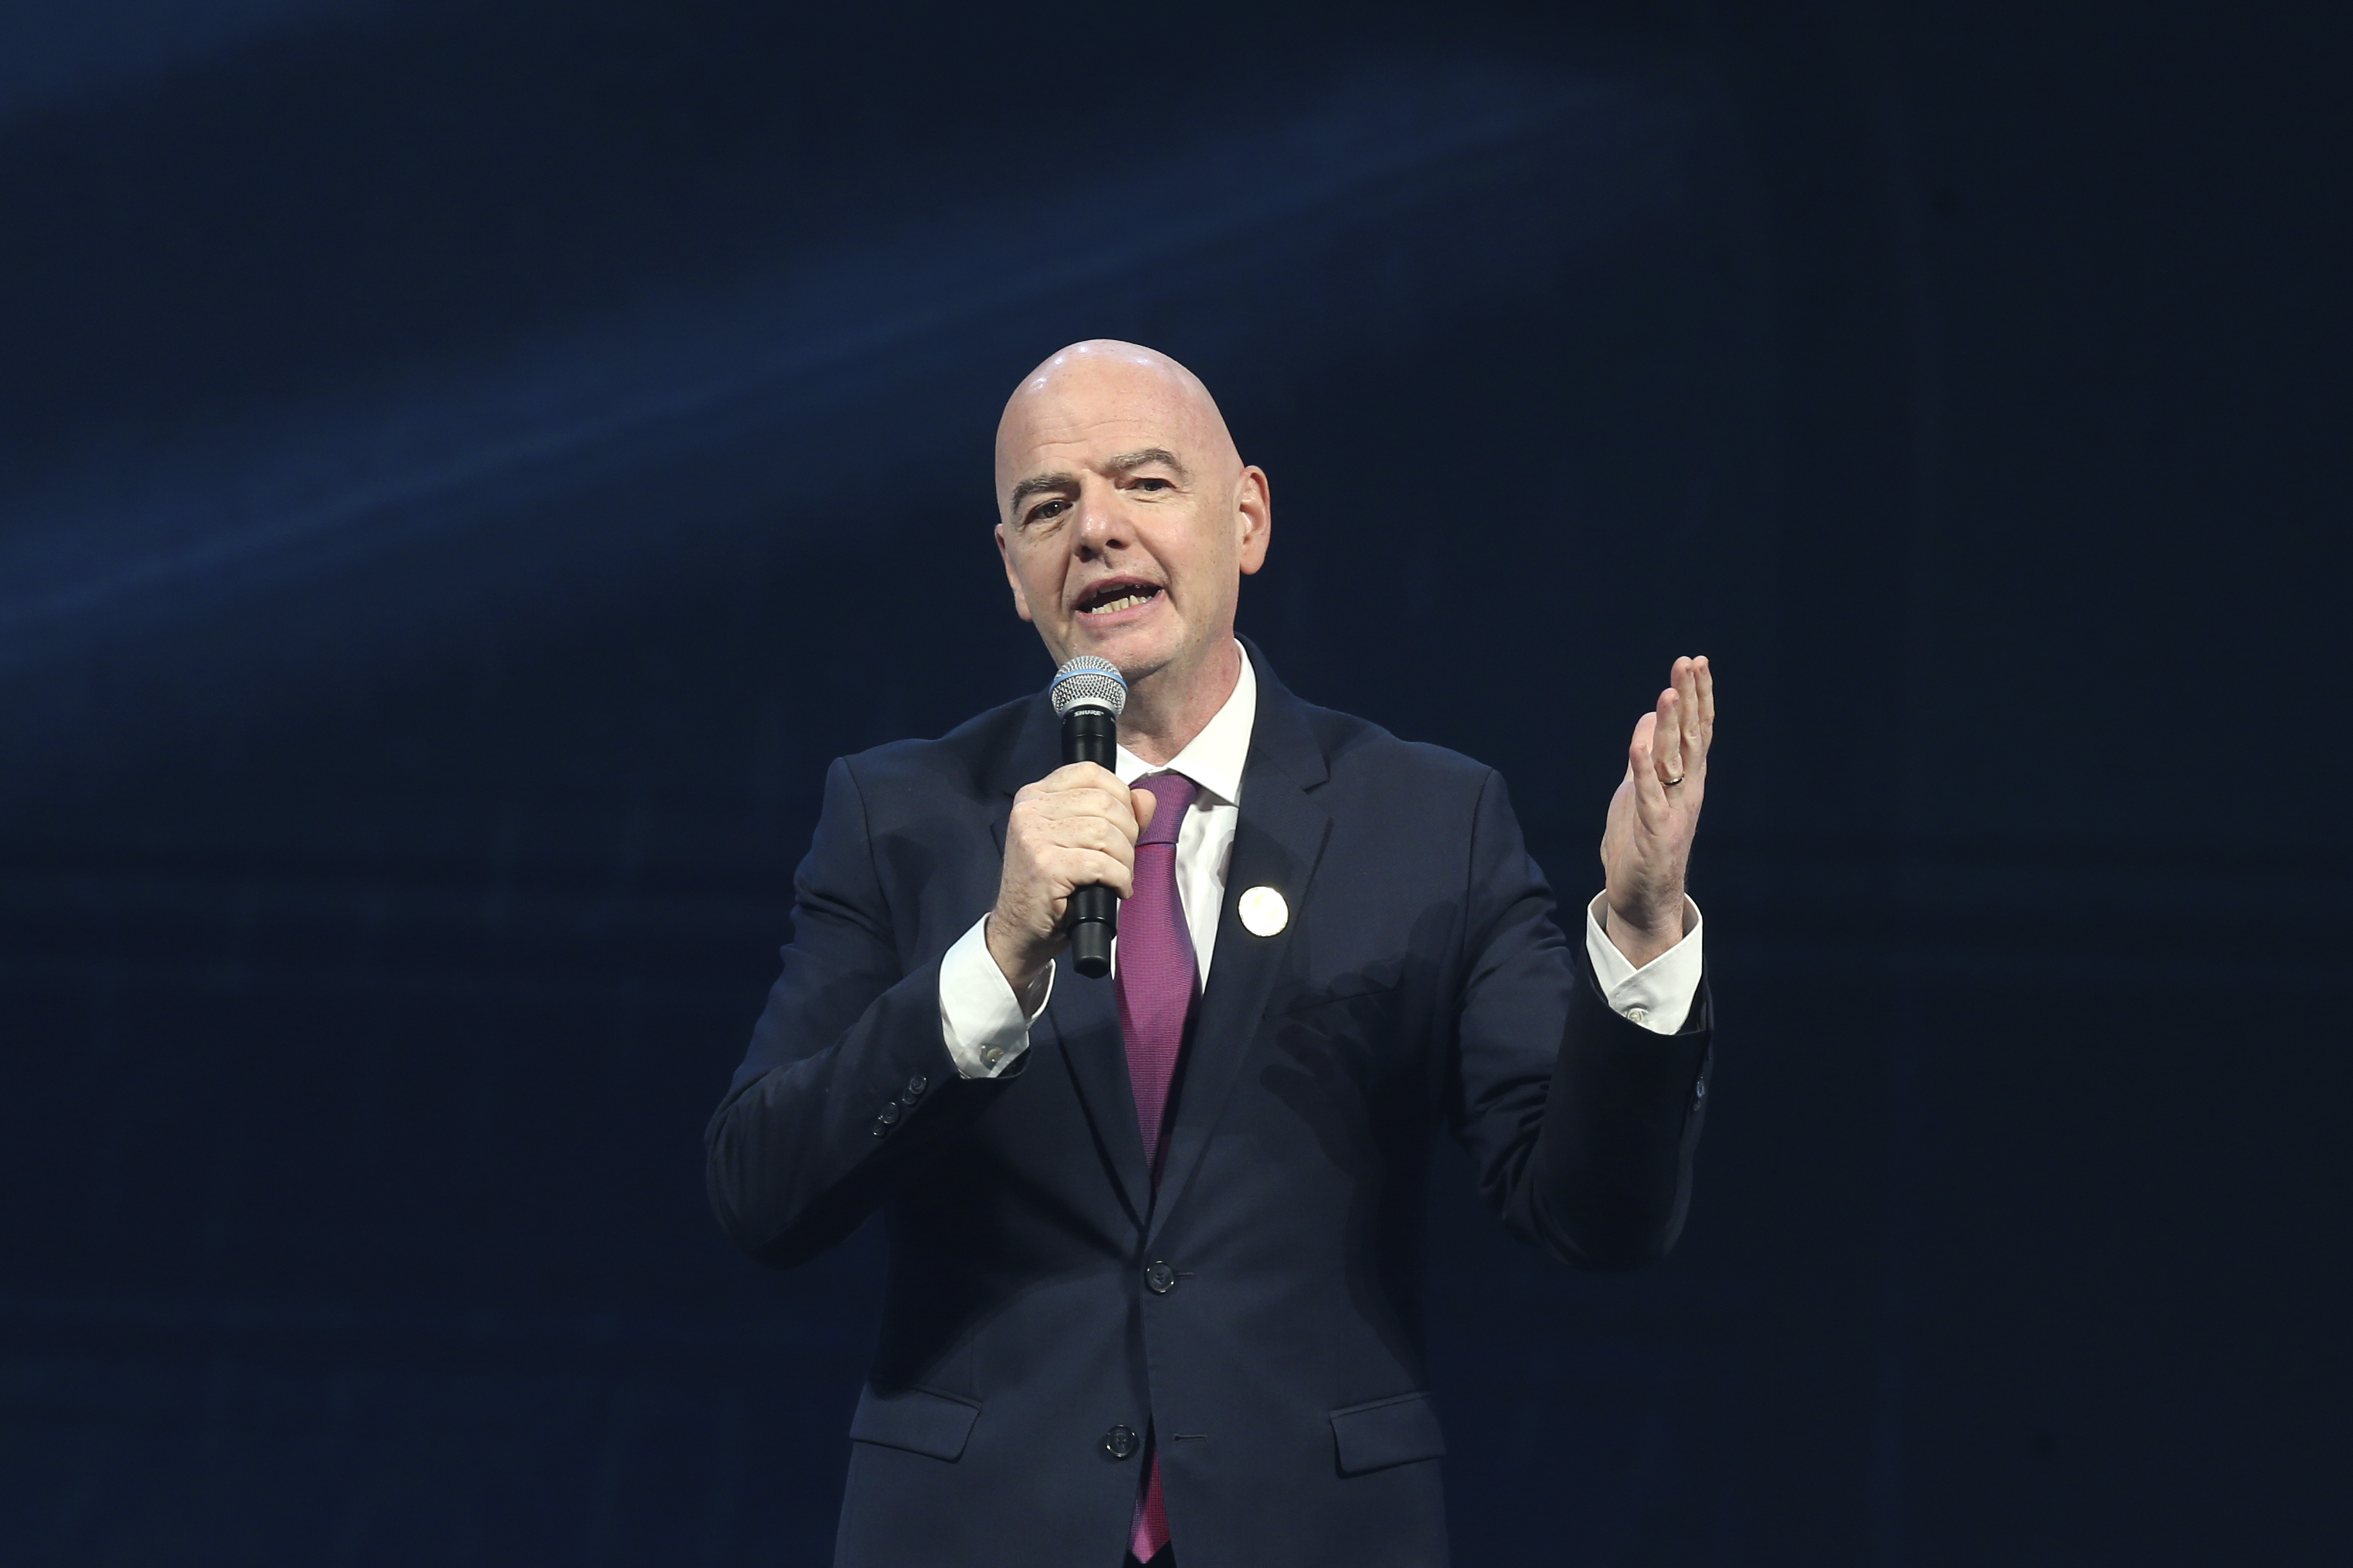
{"x":1263,"y":911}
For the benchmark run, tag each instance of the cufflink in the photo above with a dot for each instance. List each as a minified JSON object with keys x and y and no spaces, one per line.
{"x":1263,"y":912}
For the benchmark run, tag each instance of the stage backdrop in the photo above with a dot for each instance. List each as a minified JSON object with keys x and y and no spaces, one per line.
{"x":465,"y":471}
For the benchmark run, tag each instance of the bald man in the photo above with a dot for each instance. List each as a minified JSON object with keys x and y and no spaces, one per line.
{"x":1154,"y":1285}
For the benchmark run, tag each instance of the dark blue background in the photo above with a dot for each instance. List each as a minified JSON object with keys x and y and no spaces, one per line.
{"x":465,"y":469}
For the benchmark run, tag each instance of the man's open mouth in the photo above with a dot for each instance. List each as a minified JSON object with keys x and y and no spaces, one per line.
{"x":1111,"y":598}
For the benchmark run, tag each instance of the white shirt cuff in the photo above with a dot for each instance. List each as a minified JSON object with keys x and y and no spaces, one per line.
{"x":1658,"y":995}
{"x":980,"y":1019}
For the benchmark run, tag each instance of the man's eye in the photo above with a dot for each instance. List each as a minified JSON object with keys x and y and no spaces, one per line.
{"x":1151,"y":484}
{"x":1045,"y":512}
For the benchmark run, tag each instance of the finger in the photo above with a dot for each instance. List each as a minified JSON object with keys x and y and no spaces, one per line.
{"x":1082,"y":775}
{"x":1705,"y":678}
{"x":1144,"y":803}
{"x":1642,"y":763}
{"x":1113,"y":806}
{"x":1667,"y":737}
{"x":1094,"y":834}
{"x":1070,"y":869}
{"x":1043,"y":838}
{"x":1691,"y":746}
{"x":1086,"y":800}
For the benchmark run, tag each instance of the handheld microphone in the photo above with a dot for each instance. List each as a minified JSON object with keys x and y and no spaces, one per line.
{"x":1088,"y":695}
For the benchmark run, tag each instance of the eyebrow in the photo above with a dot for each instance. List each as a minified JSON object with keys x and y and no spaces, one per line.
{"x":1137,"y":459}
{"x":1038,"y":484}
{"x":1034,"y":485}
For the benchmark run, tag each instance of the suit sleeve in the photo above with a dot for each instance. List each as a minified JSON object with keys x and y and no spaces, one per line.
{"x":847,"y":1091}
{"x":1582,"y":1123}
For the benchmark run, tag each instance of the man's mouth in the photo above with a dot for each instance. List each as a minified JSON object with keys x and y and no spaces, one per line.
{"x":1110,"y":598}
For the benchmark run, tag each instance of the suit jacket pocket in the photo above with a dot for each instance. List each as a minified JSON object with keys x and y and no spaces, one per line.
{"x":1394,"y":1431}
{"x":914,"y":1419}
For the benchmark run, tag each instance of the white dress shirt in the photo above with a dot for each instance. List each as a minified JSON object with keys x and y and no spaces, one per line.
{"x":981,"y":1018}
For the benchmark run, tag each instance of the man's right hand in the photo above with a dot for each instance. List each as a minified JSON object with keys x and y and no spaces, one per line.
{"x":1076,"y":826}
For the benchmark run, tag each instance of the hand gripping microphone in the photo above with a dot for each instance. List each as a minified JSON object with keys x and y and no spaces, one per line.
{"x":1088,"y":696}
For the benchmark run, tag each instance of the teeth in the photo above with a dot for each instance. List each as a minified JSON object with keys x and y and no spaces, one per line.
{"x":1111,"y":606}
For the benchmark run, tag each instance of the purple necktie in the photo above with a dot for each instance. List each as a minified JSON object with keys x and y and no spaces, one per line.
{"x":1158,"y":982}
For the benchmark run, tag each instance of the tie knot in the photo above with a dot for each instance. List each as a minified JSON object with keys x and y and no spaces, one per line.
{"x":1175,"y":792}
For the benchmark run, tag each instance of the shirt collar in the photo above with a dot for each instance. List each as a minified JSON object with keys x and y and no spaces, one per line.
{"x":1214,"y":758}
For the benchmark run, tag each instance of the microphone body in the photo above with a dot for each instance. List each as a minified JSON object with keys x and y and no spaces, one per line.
{"x":1091,"y":735}
{"x":1088,"y":695}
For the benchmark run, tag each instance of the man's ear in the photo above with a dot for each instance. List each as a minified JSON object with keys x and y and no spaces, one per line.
{"x":1020,"y":599}
{"x":1254,"y":517}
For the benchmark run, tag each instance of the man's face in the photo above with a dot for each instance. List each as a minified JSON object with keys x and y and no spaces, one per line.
{"x":1128,"y":519}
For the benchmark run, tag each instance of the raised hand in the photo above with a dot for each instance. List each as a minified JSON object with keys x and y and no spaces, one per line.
{"x":1646,"y":847}
{"x":1076,"y":826}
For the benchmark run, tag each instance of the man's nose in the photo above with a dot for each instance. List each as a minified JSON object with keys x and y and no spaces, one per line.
{"x":1101,"y":527}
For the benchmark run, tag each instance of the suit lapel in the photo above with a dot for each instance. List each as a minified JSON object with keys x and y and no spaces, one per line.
{"x":1083,"y":1015}
{"x":1086,"y":1015}
{"x":1278,"y":840}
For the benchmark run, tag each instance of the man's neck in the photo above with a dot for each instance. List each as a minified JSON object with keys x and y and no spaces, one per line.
{"x":1166,"y":709}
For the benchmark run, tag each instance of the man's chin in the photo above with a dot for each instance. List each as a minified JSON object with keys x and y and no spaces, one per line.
{"x":1138,"y":651}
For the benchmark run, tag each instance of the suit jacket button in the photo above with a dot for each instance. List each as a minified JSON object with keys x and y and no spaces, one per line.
{"x":1161,"y":1278}
{"x":1120,"y":1441}
{"x":888,"y":1114}
{"x":915,"y":1086}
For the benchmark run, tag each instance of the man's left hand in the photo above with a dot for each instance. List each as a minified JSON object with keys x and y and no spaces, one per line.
{"x":1647,"y":845}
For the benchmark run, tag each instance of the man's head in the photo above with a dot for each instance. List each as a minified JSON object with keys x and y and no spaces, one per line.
{"x":1127,"y":518}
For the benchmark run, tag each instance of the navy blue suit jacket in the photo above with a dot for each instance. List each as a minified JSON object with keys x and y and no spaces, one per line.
{"x":1421,"y":985}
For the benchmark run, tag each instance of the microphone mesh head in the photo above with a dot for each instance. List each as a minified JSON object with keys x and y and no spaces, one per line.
{"x":1088,"y":681}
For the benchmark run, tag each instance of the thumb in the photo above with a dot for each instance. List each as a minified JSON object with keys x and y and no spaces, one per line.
{"x":1642,"y":759}
{"x":1145,"y":803}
